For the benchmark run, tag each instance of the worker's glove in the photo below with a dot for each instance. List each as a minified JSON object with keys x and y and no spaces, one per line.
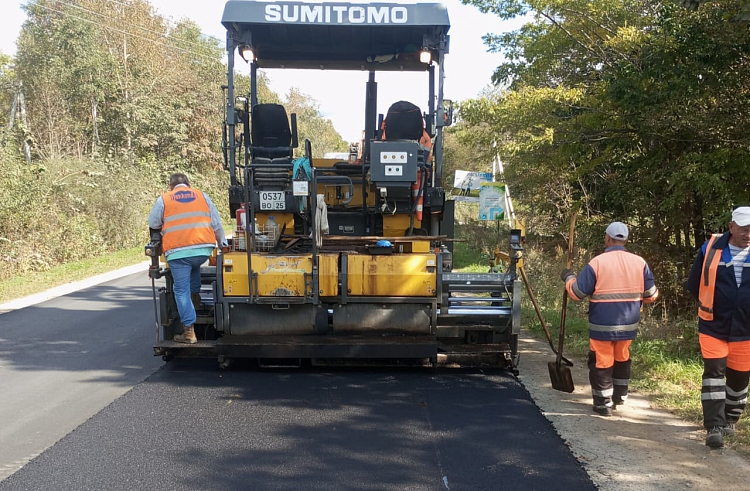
{"x":566,"y":273}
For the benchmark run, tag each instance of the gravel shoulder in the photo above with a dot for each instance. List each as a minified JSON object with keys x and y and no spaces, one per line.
{"x":639,"y":448}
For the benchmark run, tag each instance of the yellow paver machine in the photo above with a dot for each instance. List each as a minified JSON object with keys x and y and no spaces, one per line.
{"x":347,"y":258}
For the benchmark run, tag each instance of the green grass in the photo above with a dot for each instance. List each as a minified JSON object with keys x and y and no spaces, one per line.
{"x":31,"y":283}
{"x":469,"y":260}
{"x":672,"y":379}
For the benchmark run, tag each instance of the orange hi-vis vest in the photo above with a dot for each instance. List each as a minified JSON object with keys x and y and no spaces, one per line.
{"x":707,"y":289}
{"x":187,"y":219}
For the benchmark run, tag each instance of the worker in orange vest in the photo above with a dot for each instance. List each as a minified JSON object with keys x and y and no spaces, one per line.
{"x":720,"y":281}
{"x":617,"y":283}
{"x":190,"y":227}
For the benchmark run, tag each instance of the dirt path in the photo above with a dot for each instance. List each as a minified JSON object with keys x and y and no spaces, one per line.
{"x":637,"y":449}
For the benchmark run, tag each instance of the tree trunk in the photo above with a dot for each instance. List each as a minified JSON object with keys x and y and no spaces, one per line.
{"x":126,"y":97}
{"x":13,"y":108}
{"x":699,"y":230}
{"x":26,"y":134}
{"x":95,"y":121}
{"x":677,"y":232}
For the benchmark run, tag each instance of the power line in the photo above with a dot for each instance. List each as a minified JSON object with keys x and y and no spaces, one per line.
{"x":187,"y":44}
{"x":131,"y":6}
{"x":166,"y":19}
{"x":68,"y":14}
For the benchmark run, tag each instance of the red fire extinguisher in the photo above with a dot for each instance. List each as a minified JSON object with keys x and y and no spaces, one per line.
{"x":419,"y":197}
{"x":241,"y":219}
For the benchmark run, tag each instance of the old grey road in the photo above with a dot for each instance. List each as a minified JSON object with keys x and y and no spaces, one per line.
{"x":85,"y":406}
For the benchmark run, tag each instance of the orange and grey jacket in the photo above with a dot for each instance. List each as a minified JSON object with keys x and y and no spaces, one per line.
{"x":187,"y":220}
{"x":724,"y":308}
{"x":617,"y":283}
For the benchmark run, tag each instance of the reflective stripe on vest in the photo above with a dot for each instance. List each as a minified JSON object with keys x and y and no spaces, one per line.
{"x":187,"y":219}
{"x":708,"y":280}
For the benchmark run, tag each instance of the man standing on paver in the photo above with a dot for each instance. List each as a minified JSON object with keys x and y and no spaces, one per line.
{"x":618,"y":283}
{"x":720,"y":281}
{"x":190,"y":227}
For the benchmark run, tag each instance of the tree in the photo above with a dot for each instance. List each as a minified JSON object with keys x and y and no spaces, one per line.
{"x":312,"y":125}
{"x":115,"y":79}
{"x":8,"y":86}
{"x":631,"y":110}
{"x":741,"y":15}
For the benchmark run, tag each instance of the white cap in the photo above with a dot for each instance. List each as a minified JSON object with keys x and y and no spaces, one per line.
{"x":741,"y":216}
{"x":619,"y":231}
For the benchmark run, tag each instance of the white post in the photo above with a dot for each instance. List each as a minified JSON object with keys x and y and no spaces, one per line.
{"x":511,"y":213}
{"x":13,"y":108}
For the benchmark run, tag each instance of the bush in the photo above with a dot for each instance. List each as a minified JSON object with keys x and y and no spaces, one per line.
{"x":69,"y":209}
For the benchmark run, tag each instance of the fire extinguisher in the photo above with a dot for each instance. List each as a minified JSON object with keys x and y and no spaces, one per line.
{"x":419,"y":197}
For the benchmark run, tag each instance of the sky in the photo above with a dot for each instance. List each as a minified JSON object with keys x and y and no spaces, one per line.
{"x":340,"y":95}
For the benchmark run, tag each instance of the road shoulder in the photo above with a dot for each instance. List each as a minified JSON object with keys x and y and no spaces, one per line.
{"x":67,"y":288}
{"x":640,"y":448}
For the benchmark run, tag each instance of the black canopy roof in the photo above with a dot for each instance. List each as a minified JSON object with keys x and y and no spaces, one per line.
{"x":350,"y":36}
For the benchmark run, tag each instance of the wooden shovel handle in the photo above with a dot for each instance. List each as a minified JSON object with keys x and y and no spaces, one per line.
{"x":540,"y":316}
{"x":568,"y":264}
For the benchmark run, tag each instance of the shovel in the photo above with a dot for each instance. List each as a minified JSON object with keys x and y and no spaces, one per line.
{"x":560,"y":376}
{"x":540,"y":316}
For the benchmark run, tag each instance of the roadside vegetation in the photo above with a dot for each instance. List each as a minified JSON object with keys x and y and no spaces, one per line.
{"x":39,"y":281}
{"x":97,"y":119}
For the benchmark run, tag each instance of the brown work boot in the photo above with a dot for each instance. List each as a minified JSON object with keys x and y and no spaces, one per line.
{"x":187,"y":336}
{"x":196,"y":299}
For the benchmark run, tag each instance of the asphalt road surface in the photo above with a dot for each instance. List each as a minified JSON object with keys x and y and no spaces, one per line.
{"x":192,"y":426}
{"x":63,"y":360}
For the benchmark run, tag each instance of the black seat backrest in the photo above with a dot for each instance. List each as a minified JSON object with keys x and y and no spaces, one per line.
{"x":403,"y":122}
{"x":270,"y":128}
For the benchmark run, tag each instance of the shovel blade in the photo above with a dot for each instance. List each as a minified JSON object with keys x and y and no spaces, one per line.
{"x":560,"y":377}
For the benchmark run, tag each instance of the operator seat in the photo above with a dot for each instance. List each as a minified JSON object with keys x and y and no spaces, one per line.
{"x":270,"y":135}
{"x":403,"y":122}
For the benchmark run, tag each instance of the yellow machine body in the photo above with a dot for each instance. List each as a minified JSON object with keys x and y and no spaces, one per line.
{"x":278,"y":275}
{"x":396,"y":225}
{"x":328,"y":275}
{"x":329,"y":190}
{"x":396,"y":275}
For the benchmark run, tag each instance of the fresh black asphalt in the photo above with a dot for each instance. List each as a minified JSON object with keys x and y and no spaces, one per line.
{"x":192,"y":426}
{"x":65,"y":359}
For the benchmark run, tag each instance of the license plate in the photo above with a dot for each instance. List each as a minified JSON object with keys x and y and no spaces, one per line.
{"x":272,"y":200}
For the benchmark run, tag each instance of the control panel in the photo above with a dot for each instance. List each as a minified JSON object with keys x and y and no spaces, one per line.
{"x":394,"y":162}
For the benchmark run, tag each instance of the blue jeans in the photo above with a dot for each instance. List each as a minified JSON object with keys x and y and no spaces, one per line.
{"x":186,"y":273}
